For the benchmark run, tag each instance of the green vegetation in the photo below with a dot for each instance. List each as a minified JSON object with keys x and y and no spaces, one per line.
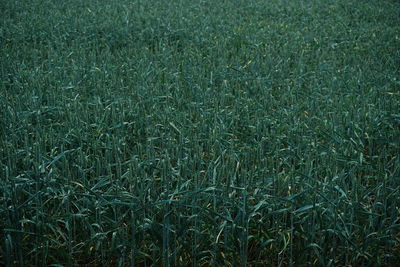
{"x":190,"y":132}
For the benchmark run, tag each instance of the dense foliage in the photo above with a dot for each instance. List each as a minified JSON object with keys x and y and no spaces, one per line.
{"x":199,"y":133}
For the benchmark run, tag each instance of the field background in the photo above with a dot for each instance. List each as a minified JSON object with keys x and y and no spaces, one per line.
{"x":187,"y":132}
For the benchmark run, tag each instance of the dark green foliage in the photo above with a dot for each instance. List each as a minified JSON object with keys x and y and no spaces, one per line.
{"x":177,"y":133}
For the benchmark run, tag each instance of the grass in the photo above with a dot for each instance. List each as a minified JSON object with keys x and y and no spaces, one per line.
{"x":203,"y":133}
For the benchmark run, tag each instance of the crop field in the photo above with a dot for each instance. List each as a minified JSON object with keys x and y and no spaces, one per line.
{"x":199,"y":133}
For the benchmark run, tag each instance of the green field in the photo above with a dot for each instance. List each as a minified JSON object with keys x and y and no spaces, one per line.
{"x":199,"y":133}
